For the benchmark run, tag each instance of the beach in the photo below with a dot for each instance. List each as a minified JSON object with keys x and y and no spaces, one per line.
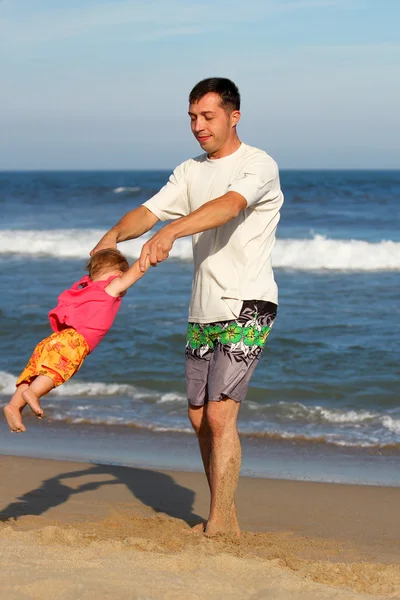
{"x":86,"y":530}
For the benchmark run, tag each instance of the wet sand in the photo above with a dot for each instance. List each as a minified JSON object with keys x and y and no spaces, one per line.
{"x":77,"y":530}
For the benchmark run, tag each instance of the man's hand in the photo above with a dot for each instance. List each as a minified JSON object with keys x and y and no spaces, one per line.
{"x":157,"y":248}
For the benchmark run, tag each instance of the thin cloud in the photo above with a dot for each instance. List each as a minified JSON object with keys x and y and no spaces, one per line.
{"x":152,"y":20}
{"x":60,"y":24}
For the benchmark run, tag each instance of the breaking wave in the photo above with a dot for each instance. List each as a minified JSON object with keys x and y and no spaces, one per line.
{"x":316,"y":254}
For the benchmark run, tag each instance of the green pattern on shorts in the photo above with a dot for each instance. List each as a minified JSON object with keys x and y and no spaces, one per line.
{"x":248,"y":337}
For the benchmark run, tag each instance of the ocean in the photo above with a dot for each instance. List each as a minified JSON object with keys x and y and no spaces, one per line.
{"x":324,"y":400}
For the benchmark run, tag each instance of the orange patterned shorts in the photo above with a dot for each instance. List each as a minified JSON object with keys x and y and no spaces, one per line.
{"x":59,"y":356}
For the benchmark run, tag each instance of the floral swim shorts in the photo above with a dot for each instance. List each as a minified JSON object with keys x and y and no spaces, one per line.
{"x":221,"y":357}
{"x":58,"y":356}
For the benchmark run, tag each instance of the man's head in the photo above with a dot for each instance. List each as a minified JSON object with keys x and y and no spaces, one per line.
{"x":214,"y":110}
{"x":106,"y":261}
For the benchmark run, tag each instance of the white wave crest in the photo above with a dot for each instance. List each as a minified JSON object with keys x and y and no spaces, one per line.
{"x":7,"y":383}
{"x":72,"y":388}
{"x":127,"y":190}
{"x":73,"y":243}
{"x":392,"y":424}
{"x":316,"y":254}
{"x":75,"y":388}
{"x":298,"y":412}
{"x":172,"y":397}
{"x":97,"y":389}
{"x":338,"y":416}
{"x":321,"y":253}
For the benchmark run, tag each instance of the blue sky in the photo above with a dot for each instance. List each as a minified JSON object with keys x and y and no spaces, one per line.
{"x":104,"y":84}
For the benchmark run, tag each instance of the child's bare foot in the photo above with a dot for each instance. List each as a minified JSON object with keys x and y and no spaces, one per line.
{"x":33,"y":402}
{"x":14,"y":419}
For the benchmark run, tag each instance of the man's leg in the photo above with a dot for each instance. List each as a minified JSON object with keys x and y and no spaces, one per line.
{"x":212,"y":373}
{"x":216,"y":427}
{"x":198,"y":419}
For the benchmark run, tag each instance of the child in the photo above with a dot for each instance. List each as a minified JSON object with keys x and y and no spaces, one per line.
{"x":82,"y":317}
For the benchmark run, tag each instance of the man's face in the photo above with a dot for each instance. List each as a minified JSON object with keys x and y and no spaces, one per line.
{"x":211,"y":124}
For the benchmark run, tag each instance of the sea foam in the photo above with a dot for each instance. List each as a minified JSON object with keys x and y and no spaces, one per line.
{"x":316,"y":254}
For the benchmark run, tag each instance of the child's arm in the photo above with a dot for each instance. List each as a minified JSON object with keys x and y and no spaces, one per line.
{"x":119,"y":285}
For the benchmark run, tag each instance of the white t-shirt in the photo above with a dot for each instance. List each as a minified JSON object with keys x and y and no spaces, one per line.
{"x":232,"y":263}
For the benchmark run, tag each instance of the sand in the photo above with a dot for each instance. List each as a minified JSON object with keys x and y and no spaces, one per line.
{"x":88,"y":531}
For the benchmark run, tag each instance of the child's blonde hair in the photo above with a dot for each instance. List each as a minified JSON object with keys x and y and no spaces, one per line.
{"x":106,"y":260}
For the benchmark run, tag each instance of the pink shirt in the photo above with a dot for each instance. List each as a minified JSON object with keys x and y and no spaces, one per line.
{"x":86,"y":307}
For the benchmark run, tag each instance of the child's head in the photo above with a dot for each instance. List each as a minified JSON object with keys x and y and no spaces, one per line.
{"x":105,"y":261}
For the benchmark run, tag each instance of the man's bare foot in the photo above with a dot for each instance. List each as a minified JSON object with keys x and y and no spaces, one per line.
{"x":14,"y":419}
{"x":230,"y":528}
{"x":214,"y":529}
{"x":33,"y":402}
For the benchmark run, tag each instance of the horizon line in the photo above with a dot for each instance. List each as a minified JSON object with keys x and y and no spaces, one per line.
{"x":167,"y":169}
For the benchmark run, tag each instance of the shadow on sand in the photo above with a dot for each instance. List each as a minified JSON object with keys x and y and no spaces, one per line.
{"x":157,"y":490}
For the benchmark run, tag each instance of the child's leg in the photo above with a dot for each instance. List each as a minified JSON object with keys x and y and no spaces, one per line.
{"x":13,"y":410}
{"x":39,"y":387}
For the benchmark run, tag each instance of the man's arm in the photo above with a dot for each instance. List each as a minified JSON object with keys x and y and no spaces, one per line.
{"x":209,"y":216}
{"x":132,"y":225}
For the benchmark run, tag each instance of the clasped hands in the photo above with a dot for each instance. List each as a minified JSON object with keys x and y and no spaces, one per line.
{"x":157,"y":248}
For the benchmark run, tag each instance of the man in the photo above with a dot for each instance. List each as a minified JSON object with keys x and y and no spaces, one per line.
{"x":228,"y":199}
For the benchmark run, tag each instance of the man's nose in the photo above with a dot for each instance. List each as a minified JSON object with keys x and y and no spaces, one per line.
{"x":198,"y":125}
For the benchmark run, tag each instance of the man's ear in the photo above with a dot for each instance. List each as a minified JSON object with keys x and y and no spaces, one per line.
{"x":235,"y":117}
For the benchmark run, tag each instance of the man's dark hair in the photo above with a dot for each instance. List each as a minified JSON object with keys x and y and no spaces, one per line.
{"x":225,"y":88}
